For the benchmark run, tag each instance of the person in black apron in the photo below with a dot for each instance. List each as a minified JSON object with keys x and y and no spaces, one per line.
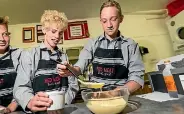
{"x":116,"y":60}
{"x":38,"y":73}
{"x":8,"y":57}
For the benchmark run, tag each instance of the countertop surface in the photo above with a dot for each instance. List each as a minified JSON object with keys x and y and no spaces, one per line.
{"x":144,"y":107}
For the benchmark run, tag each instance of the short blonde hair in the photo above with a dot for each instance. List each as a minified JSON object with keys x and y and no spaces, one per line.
{"x":111,"y":3}
{"x":54,"y":17}
{"x":4,"y":20}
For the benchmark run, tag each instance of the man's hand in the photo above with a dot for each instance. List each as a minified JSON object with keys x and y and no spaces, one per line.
{"x":40,"y":102}
{"x":132,"y":86}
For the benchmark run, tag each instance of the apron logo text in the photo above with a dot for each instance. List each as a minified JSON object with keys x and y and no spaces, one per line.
{"x":53,"y":81}
{"x":105,"y":71}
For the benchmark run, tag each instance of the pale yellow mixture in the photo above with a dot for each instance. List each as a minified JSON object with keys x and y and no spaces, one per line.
{"x":95,"y":85}
{"x":92,"y":84}
{"x":107,"y":105}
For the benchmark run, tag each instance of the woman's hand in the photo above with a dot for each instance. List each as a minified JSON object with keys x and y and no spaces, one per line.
{"x":40,"y":102}
{"x":62,"y":69}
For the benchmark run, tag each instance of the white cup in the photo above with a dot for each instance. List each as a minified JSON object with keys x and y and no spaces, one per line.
{"x":58,"y":98}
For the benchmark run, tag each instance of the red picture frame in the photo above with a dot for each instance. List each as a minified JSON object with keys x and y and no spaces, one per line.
{"x":76,"y":30}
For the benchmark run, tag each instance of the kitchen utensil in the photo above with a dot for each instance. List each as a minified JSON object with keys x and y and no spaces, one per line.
{"x":87,"y":84}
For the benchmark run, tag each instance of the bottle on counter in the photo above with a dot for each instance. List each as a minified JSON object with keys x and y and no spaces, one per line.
{"x":169,"y":80}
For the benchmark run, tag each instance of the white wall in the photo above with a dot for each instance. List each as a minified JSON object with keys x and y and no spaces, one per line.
{"x":29,"y":11}
{"x":151,"y":33}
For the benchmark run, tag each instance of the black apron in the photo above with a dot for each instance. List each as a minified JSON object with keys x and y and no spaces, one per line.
{"x":7,"y":79}
{"x":48,"y":81}
{"x":112,"y":70}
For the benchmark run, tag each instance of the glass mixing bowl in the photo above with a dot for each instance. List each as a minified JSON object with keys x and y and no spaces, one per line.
{"x":107,"y":100}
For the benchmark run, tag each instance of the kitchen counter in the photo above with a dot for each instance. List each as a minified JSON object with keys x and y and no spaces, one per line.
{"x":153,"y":107}
{"x":146,"y":107}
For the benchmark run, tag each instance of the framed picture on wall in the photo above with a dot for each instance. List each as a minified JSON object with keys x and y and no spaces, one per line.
{"x":28,"y":34}
{"x":40,"y":35}
{"x":76,"y":30}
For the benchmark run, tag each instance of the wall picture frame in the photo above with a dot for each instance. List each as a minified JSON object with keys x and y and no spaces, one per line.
{"x":28,"y":34}
{"x":76,"y":30}
{"x":39,"y":33}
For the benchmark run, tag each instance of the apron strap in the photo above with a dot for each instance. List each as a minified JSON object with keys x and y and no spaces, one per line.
{"x":119,"y":47}
{"x":40,"y":53}
{"x":128,"y":56}
{"x":119,"y":44}
{"x":99,"y":43}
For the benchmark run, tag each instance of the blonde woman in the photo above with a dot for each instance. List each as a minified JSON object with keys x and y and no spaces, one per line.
{"x":38,"y":73}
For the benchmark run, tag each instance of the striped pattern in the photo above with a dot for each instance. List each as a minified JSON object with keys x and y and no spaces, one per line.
{"x":7,"y":91}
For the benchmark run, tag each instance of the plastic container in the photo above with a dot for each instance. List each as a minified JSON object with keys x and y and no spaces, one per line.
{"x":169,"y":80}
